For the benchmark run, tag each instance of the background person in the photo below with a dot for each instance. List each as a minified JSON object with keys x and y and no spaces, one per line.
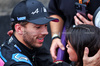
{"x":65,"y":11}
{"x":79,"y":37}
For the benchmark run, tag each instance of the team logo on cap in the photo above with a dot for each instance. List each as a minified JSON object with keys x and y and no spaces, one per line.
{"x":44,"y":9}
{"x":36,"y":11}
{"x":21,"y":18}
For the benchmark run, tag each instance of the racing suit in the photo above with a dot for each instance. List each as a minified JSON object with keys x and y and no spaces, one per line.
{"x":14,"y":53}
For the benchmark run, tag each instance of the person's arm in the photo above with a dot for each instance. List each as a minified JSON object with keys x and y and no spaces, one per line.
{"x":85,"y":21}
{"x":56,"y":28}
{"x":91,"y":61}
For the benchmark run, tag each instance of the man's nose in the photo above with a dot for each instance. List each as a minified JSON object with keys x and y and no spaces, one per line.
{"x":44,"y":30}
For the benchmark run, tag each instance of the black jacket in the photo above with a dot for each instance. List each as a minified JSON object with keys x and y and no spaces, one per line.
{"x":14,"y":53}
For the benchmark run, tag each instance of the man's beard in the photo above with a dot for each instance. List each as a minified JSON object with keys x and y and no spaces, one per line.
{"x":28,"y":39}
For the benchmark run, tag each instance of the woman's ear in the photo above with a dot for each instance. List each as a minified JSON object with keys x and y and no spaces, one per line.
{"x":19,"y":29}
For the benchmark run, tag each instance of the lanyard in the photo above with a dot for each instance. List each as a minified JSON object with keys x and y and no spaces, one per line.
{"x":84,"y":2}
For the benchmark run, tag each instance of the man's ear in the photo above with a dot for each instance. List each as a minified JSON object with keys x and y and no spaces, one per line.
{"x":19,"y":29}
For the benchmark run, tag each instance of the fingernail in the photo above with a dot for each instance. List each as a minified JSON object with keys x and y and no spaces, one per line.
{"x":77,"y":13}
{"x":86,"y":49}
{"x":74,"y":16}
{"x":63,"y":48}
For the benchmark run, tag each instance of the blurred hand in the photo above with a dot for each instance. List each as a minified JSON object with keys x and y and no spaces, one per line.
{"x":85,"y":21}
{"x":91,"y":61}
{"x":56,"y":43}
{"x":10,"y":33}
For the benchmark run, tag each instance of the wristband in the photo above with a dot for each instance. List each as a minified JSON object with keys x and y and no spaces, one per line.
{"x":55,"y":36}
{"x":58,"y":61}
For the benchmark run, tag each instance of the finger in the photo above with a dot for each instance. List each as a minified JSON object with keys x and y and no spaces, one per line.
{"x":10,"y":32}
{"x":82,"y":18}
{"x":61,"y":46}
{"x":86,"y":52}
{"x":53,"y":52}
{"x":90,"y":17}
{"x":77,"y":21}
{"x":54,"y":58}
{"x":75,"y":18}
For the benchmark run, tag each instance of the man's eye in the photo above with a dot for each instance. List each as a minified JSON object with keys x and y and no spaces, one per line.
{"x":46,"y":25}
{"x":37,"y":27}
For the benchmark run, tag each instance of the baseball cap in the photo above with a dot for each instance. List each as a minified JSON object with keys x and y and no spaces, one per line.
{"x":31,"y":11}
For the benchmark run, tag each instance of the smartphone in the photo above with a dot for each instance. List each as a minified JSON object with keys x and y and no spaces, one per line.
{"x":81,"y":8}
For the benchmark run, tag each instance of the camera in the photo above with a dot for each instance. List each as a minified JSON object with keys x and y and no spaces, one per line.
{"x":81,"y":8}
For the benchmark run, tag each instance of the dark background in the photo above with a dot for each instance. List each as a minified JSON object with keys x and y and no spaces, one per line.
{"x":5,"y":11}
{"x":4,"y":28}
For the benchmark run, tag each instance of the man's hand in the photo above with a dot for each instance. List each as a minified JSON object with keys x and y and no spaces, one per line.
{"x":84,"y":20}
{"x":56,"y":43}
{"x":10,"y":33}
{"x":91,"y":61}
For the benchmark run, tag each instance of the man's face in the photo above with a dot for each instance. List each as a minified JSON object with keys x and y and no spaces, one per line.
{"x":33,"y":35}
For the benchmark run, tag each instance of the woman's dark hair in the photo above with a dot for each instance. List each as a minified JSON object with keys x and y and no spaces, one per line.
{"x":82,"y":36}
{"x":21,"y":23}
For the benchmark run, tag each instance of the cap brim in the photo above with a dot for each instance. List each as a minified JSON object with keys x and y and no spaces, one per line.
{"x":43,"y":20}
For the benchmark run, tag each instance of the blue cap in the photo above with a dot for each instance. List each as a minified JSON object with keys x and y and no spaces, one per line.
{"x":31,"y":11}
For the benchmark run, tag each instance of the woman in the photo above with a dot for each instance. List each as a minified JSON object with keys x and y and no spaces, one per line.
{"x":79,"y":37}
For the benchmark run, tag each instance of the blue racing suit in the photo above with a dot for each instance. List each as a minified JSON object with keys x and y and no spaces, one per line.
{"x":14,"y":53}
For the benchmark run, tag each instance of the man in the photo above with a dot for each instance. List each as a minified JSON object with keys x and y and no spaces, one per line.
{"x":29,"y":21}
